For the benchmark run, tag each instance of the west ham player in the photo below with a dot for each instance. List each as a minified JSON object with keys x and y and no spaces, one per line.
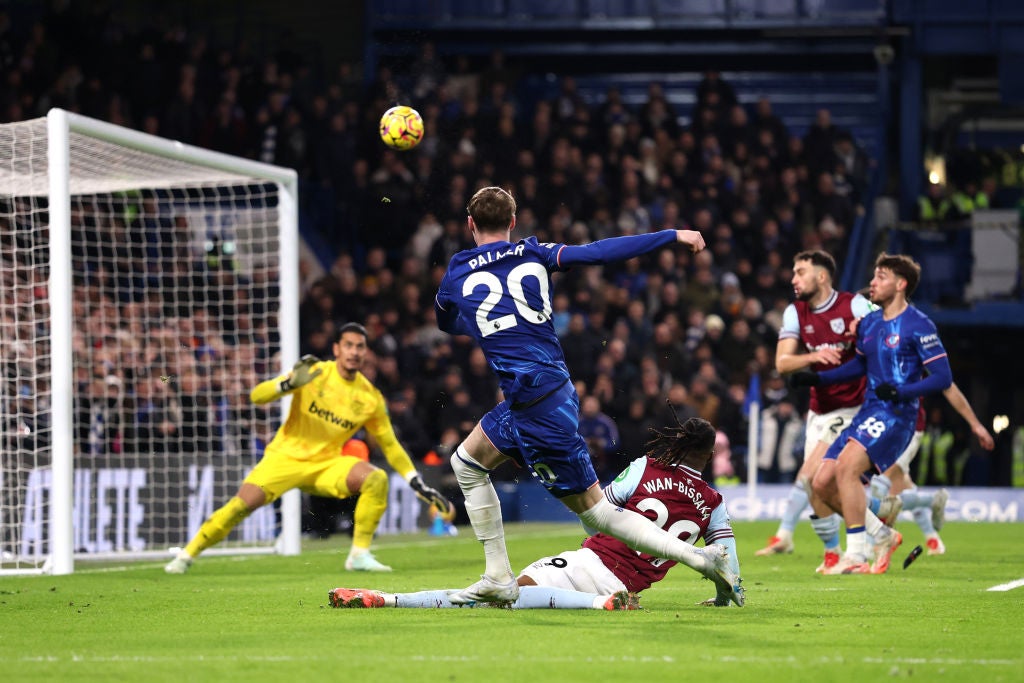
{"x":817,"y":332}
{"x":895,"y":344}
{"x":499,"y":293}
{"x":665,"y":485}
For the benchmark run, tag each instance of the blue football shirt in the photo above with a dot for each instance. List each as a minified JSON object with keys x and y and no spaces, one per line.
{"x":500,"y":294}
{"x":898,"y":350}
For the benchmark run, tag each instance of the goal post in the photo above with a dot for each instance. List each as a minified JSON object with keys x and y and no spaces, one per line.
{"x":142,"y":282}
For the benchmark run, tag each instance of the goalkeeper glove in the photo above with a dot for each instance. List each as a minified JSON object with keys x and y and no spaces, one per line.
{"x":887,"y":392}
{"x":805,"y":378}
{"x":302,"y":374}
{"x":429,"y":495}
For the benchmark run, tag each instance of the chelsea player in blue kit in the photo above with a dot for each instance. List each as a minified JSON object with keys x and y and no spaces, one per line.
{"x":895,"y":345}
{"x":500,"y":294}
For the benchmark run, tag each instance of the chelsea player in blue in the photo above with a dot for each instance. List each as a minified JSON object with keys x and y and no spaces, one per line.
{"x":895,"y":345}
{"x":500,"y":294}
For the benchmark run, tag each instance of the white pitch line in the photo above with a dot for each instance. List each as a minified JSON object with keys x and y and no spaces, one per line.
{"x":74,"y":658}
{"x":1007,"y":586}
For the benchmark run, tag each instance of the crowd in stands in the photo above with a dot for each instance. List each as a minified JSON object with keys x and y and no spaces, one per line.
{"x":687,"y":329}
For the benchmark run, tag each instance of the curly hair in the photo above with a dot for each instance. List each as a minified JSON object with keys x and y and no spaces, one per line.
{"x":901,"y":266}
{"x":690,"y":443}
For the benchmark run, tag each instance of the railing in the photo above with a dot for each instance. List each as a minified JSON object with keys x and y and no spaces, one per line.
{"x":635,"y":14}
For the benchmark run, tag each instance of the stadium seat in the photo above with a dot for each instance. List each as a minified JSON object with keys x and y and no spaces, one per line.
{"x":956,"y":9}
{"x":403,"y":9}
{"x":620,"y":8}
{"x":1007,"y":9}
{"x":766,"y":8}
{"x":693,"y":8}
{"x":946,"y":262}
{"x":852,"y":98}
{"x":557,"y":9}
{"x":868,"y":9}
{"x":475,"y":9}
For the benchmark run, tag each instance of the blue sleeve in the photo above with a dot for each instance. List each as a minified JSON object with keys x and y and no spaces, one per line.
{"x":851,"y":369}
{"x":445,"y":317}
{"x":934,"y":359}
{"x":790,"y":323}
{"x":448,"y":318}
{"x":720,"y":531}
{"x":451,"y":321}
{"x":620,"y":490}
{"x":734,"y":560}
{"x":940,"y":377}
{"x":614,"y":248}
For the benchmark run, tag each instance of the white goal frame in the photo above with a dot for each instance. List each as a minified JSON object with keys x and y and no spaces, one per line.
{"x":60,"y":125}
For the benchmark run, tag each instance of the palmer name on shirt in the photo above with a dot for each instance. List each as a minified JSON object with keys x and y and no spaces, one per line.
{"x":492,"y":256}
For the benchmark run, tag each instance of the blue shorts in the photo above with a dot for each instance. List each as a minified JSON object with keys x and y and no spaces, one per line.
{"x":884,"y":430}
{"x":545,"y":439}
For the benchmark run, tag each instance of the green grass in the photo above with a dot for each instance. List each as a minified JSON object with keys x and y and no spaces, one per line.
{"x":265,"y":618}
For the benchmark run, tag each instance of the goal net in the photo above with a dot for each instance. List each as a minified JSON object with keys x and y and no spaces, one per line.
{"x":140,"y":283}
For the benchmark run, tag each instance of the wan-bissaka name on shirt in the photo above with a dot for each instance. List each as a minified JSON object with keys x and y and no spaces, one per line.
{"x":668,"y":483}
{"x":491,"y":256}
{"x":326,"y":414}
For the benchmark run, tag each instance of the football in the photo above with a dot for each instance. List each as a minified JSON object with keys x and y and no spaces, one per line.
{"x":401,"y":127}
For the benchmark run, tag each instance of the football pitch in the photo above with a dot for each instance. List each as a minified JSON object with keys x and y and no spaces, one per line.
{"x":261,"y":618}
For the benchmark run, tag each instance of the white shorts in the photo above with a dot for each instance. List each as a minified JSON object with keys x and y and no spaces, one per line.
{"x":827,"y":426}
{"x":910,"y":453}
{"x":578,"y":570}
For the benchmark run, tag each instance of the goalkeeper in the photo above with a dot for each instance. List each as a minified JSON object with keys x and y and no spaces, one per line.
{"x":331,"y":402}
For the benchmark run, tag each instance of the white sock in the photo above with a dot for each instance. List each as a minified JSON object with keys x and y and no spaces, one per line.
{"x":422,"y":599}
{"x":873,"y":525}
{"x":546,"y":597}
{"x":530,"y":597}
{"x":857,"y":545}
{"x":484,"y":511}
{"x":640,"y":533}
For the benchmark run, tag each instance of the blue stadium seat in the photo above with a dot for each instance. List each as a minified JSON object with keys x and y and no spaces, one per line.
{"x":1008,"y":9}
{"x":766,"y":8}
{"x":475,"y":9}
{"x":845,"y":8}
{"x":847,"y":12}
{"x":690,"y":8}
{"x":403,"y":9}
{"x":619,"y":8}
{"x":559,"y":9}
{"x":953,"y":9}
{"x":852,"y":98}
{"x":946,"y":262}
